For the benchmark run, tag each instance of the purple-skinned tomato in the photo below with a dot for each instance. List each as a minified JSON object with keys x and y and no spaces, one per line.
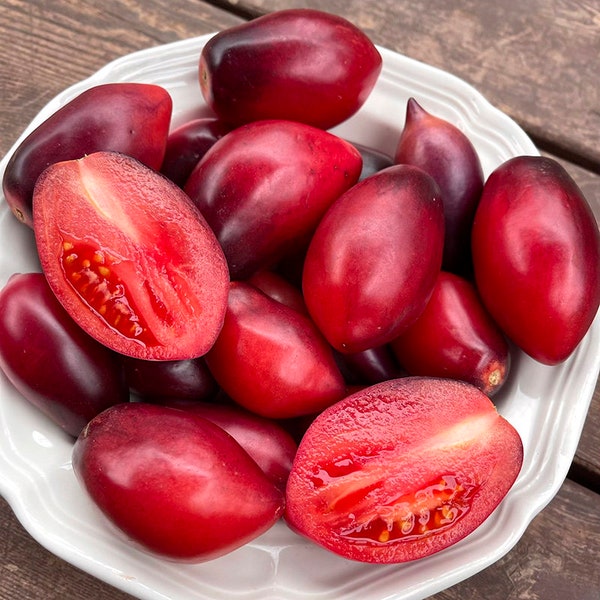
{"x":265,"y":440}
{"x":264,"y":187}
{"x":271,"y":359}
{"x":373,"y":261}
{"x":187,"y":144}
{"x":299,"y":64}
{"x":277,"y":287}
{"x":50,"y":360}
{"x":373,"y":365}
{"x":152,"y":380}
{"x":131,"y":118}
{"x":455,"y":337}
{"x":536,"y":257}
{"x":176,"y":484}
{"x":441,"y":149}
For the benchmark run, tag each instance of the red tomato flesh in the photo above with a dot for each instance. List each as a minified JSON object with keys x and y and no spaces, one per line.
{"x":402,"y":470}
{"x":129,"y":257}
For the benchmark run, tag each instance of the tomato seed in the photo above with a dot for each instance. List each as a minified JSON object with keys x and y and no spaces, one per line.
{"x":91,"y":274}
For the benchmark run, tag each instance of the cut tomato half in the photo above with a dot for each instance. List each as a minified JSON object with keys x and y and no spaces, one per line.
{"x":129,"y":257}
{"x":402,"y":469}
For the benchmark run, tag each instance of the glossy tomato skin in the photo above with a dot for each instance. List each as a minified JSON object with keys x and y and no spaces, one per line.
{"x":50,"y":360}
{"x":441,"y":149}
{"x":299,"y":64}
{"x":369,"y":366}
{"x":176,"y":484}
{"x":372,"y":263}
{"x":455,"y":337}
{"x":265,"y":440}
{"x":132,"y":118}
{"x":264,"y":187}
{"x":129,"y":257}
{"x":153,"y":380}
{"x":271,"y":359}
{"x":277,"y":287}
{"x":536,"y":251}
{"x":187,"y":144}
{"x":415,"y":465}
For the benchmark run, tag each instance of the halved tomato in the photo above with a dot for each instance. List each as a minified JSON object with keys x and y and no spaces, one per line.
{"x":129,"y":257}
{"x":402,"y":469}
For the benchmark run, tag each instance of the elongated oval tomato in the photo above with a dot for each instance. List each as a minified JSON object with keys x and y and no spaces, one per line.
{"x":264,"y":187}
{"x":132,"y":118}
{"x":129,"y":257}
{"x":271,"y":359}
{"x":265,"y":440}
{"x":153,"y":381}
{"x":536,"y":253}
{"x":50,"y":360}
{"x":177,"y":484}
{"x":187,"y":144}
{"x":299,"y":64}
{"x":277,"y":287}
{"x":441,"y":149}
{"x":414,"y":465}
{"x":455,"y":337}
{"x":374,"y":258}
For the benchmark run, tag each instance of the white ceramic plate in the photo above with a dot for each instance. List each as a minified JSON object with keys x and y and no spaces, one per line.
{"x":547,"y":405}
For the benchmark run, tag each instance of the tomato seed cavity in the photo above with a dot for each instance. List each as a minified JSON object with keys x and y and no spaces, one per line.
{"x":429,"y":510}
{"x":91,"y":274}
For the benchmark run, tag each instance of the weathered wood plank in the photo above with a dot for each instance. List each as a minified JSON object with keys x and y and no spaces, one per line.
{"x":539,"y":65}
{"x":30,"y":572}
{"x":44,"y":49}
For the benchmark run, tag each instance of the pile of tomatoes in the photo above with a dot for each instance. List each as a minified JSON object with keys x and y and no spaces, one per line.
{"x":248,"y":317}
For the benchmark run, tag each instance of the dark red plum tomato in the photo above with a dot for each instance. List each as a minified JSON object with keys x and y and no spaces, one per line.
{"x":153,"y":380}
{"x":271,"y":359}
{"x":50,"y":360}
{"x":536,"y":254}
{"x":369,"y":366}
{"x":130,"y":258}
{"x":441,"y":149}
{"x":455,"y":337}
{"x":373,"y":261}
{"x":415,"y":465}
{"x":264,"y":187}
{"x":267,"y":442}
{"x":176,"y":484}
{"x":299,"y":64}
{"x":131,"y":118}
{"x":277,"y":287}
{"x":187,"y":144}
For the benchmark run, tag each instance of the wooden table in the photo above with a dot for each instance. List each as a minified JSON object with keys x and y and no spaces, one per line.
{"x":540,"y":66}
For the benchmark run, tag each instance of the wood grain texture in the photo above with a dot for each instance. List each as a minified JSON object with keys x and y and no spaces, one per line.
{"x":47,"y":46}
{"x":536,"y":61}
{"x":540,"y":66}
{"x":30,"y":572}
{"x":552,"y":561}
